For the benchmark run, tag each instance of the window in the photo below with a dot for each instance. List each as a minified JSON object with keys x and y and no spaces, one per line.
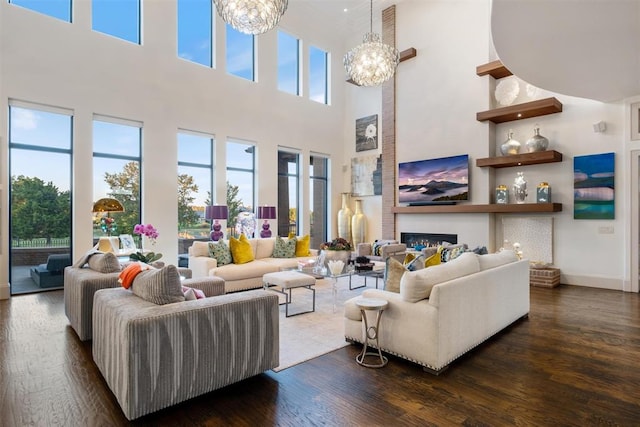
{"x":194,"y":31}
{"x":240,"y":54}
{"x":116,"y":171}
{"x":40,"y":141}
{"x":319,"y":187}
{"x":240,"y":186}
{"x":60,"y":9}
{"x":288,"y":63}
{"x":318,"y":75}
{"x":119,"y":18}
{"x":288,"y":190}
{"x":195,"y":184}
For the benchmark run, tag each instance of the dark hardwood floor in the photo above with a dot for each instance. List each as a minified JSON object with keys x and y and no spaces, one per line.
{"x":574,"y":361}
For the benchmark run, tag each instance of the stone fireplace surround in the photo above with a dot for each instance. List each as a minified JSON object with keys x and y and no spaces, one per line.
{"x":427,"y":239}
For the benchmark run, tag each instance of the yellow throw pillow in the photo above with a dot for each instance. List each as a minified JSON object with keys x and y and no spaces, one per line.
{"x":432,"y":260}
{"x":408,"y":258}
{"x":302,"y":246}
{"x":291,"y":235}
{"x":241,"y":251}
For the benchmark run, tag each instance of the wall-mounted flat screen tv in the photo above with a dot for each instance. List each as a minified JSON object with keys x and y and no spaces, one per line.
{"x":432,"y":181}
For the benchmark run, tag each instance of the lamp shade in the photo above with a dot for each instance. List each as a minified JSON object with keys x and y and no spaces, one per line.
{"x":107,"y":204}
{"x":216,"y":212}
{"x":267,"y":212}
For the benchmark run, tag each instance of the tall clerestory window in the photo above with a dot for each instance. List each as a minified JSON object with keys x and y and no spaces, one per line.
{"x":116,"y":171}
{"x":195,"y":29}
{"x":241,"y":166}
{"x":240,"y":54}
{"x":119,"y":18}
{"x":60,"y":9}
{"x":195,"y":185}
{"x":288,"y":63}
{"x":288,"y":192}
{"x":318,"y":75}
{"x":40,"y":154}
{"x":318,"y":198}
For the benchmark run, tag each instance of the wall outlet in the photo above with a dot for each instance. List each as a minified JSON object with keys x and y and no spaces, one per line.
{"x":605,"y":230}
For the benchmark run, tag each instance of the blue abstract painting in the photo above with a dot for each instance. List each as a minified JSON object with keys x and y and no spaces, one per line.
{"x":593,"y":186}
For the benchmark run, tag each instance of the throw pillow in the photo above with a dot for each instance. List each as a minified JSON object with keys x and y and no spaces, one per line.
{"x":303,"y":245}
{"x":393,"y":272}
{"x":505,"y":256}
{"x":376,"y":247}
{"x":432,"y":260}
{"x":129,"y":273}
{"x":284,"y":248}
{"x":221,"y":252}
{"x":104,"y":263}
{"x":191,"y":294}
{"x":417,"y":263}
{"x":417,"y":285}
{"x":159,"y":286}
{"x":448,"y":253}
{"x":241,"y":251}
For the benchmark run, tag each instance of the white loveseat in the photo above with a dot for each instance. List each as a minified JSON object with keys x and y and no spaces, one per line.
{"x":239,"y":277}
{"x":468,"y":300}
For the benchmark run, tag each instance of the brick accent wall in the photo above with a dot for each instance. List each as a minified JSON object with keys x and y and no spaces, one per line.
{"x":388,"y":130}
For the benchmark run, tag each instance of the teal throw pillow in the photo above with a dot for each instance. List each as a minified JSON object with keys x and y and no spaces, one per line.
{"x":221,"y":252}
{"x":284,"y":248}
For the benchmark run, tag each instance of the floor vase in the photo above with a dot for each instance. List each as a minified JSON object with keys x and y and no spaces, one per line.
{"x":358,"y":225}
{"x":344,"y":218}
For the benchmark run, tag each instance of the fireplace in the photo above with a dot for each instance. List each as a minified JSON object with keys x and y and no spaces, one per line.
{"x":427,"y":239}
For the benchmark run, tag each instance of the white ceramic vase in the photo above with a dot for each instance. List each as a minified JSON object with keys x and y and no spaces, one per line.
{"x":344,"y":218}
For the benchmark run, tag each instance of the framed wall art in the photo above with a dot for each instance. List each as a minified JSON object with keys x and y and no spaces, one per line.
{"x":366,"y":176}
{"x":594,"y":186}
{"x":367,"y":133}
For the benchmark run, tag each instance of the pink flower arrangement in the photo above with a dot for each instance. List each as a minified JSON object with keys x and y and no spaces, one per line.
{"x":147,"y":230}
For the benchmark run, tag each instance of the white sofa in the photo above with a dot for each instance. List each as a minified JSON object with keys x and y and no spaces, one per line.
{"x":239,"y":277}
{"x":471,"y":298}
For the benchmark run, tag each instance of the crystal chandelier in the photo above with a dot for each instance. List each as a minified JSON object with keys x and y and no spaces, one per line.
{"x":372,"y":62}
{"x":251,"y":16}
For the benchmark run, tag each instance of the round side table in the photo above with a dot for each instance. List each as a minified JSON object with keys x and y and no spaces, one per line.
{"x":371,"y":332}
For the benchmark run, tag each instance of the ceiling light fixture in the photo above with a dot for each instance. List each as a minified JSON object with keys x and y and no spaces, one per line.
{"x":251,"y":16}
{"x":372,"y":62}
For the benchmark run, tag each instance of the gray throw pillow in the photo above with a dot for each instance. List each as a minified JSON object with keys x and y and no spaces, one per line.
{"x":221,"y":252}
{"x":284,"y":248}
{"x":159,"y":286}
{"x":104,"y":262}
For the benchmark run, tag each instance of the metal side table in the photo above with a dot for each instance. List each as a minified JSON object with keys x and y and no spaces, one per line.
{"x":371,"y":332}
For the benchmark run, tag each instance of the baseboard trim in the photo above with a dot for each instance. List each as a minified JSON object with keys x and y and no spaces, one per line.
{"x":592,"y":282}
{"x":5,"y":291}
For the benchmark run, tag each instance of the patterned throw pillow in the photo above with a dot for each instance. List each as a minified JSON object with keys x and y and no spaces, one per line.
{"x":159,"y":286}
{"x":221,"y":252}
{"x":392,"y":274}
{"x":376,"y":248}
{"x":104,"y":263}
{"x":241,"y":251}
{"x":414,"y":262}
{"x":284,"y":248}
{"x":448,"y":253}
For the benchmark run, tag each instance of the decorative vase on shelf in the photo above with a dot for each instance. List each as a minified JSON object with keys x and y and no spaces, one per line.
{"x":537,"y":142}
{"x":520,"y":189}
{"x":358,"y":224}
{"x":344,"y":218}
{"x":510,"y":146}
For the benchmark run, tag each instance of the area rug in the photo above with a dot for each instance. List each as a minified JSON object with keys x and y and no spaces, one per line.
{"x":310,"y":335}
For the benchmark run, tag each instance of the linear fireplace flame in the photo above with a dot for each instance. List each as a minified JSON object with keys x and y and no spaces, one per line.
{"x":427,"y":239}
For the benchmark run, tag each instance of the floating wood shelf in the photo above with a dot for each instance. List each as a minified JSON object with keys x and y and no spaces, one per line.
{"x":525,"y":110}
{"x":495,"y":69}
{"x":490,"y":208}
{"x":537,"y":158}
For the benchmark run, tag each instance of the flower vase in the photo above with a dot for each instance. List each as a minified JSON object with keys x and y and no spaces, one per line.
{"x":520,"y":188}
{"x":344,"y":218}
{"x":358,"y":225}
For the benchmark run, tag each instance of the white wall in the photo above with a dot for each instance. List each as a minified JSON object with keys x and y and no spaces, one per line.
{"x":438,"y":95}
{"x":51,"y":62}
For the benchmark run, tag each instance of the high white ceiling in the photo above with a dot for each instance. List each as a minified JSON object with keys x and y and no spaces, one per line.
{"x":584,"y":48}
